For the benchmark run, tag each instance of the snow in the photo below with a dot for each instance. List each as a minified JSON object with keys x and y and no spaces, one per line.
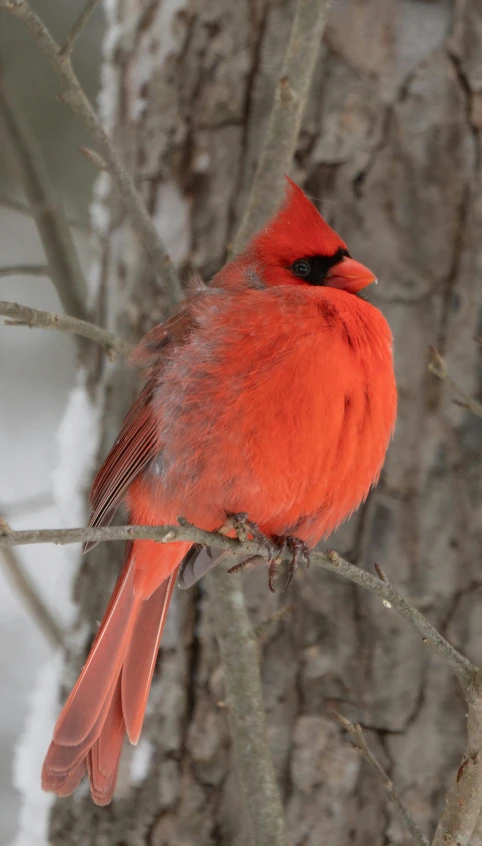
{"x":109,"y":88}
{"x":140,"y":762}
{"x":172,"y":221}
{"x":29,"y":754}
{"x":78,"y":441}
{"x":77,"y":445}
{"x":153,"y":51}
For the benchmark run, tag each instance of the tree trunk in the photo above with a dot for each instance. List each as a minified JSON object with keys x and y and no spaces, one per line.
{"x":390,"y":151}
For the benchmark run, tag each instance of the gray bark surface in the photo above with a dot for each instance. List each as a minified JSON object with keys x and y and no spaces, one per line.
{"x":390,"y":150}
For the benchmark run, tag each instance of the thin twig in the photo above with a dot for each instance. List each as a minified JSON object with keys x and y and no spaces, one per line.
{"x":21,"y":315}
{"x":93,"y":158}
{"x":77,"y":27}
{"x":60,"y":252}
{"x":17,"y":205}
{"x":438,"y":366}
{"x":31,"y":598}
{"x":360,"y":744}
{"x":29,"y":595}
{"x":76,"y":98}
{"x":461,"y":666}
{"x":24,"y":270}
{"x":284,"y":123}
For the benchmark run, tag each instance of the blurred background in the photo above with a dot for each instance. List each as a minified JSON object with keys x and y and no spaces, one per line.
{"x":37,"y":369}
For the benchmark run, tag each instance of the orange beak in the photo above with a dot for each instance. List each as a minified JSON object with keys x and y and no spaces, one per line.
{"x":349,"y":275}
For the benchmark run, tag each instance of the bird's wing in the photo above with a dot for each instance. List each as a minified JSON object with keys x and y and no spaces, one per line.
{"x":138,"y":442}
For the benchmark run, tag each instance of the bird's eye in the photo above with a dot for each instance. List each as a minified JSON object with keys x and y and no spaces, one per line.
{"x":301,"y":268}
{"x":314,"y":269}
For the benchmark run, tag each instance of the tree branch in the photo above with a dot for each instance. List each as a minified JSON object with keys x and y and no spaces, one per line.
{"x":245,"y":709}
{"x":360,"y":744}
{"x":77,"y":27}
{"x":285,"y":119}
{"x":31,"y":599}
{"x":461,"y":666}
{"x":438,"y":366}
{"x":76,"y":98}
{"x":23,"y":208}
{"x":29,"y":594}
{"x":60,"y":252}
{"x":24,"y":316}
{"x":462,"y":803}
{"x":24,"y":270}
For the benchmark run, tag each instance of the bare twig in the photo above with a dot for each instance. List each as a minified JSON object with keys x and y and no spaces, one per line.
{"x":76,"y":98}
{"x":359,"y":743}
{"x":24,"y":316}
{"x":29,"y":594}
{"x":14,"y":204}
{"x":60,"y":252}
{"x":245,"y":712}
{"x":461,"y":666}
{"x":31,"y":598}
{"x":94,"y":158}
{"x":77,"y":27}
{"x":4,"y":527}
{"x":17,"y":205}
{"x":438,"y":366}
{"x":24,"y":270}
{"x":285,"y":119}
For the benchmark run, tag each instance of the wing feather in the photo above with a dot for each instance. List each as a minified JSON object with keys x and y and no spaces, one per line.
{"x":138,"y":441}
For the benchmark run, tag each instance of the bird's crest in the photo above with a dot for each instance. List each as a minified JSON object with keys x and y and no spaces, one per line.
{"x":296,"y":230}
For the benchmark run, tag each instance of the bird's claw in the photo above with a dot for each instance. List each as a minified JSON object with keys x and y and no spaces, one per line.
{"x":299,"y":549}
{"x":243,"y":528}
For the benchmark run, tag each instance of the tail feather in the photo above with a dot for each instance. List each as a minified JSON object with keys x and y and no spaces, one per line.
{"x":82,"y":709}
{"x":111,"y":692}
{"x":62,"y":757}
{"x":104,"y":756}
{"x":141,"y":657}
{"x":66,"y":784}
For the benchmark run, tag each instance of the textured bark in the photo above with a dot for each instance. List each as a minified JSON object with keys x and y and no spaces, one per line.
{"x":390,"y":149}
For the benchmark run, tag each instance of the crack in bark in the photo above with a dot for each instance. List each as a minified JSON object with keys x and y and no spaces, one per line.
{"x":452,"y":609}
{"x":358,"y":181}
{"x":463,"y":215}
{"x":464,"y":84}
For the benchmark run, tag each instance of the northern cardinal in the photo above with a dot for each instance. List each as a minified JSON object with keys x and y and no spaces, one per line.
{"x":270,"y":392}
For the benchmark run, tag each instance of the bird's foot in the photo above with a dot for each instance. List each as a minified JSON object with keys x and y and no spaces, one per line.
{"x":243,"y":527}
{"x":298,"y":549}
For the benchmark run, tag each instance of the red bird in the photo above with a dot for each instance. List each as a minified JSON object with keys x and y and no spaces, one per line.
{"x":270,"y":392}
